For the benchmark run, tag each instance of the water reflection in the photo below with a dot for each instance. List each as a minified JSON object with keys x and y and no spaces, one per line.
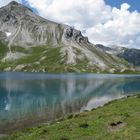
{"x":33,"y":98}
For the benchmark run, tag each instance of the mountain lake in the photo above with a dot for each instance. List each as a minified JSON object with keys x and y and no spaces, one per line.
{"x":28,"y":99}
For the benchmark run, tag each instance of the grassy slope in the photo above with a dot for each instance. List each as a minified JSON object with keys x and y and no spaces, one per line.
{"x":117,"y":120}
{"x":3,"y":50}
{"x":52,"y":61}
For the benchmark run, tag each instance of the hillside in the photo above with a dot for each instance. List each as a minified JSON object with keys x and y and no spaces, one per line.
{"x":31,"y":43}
{"x":131,"y":55}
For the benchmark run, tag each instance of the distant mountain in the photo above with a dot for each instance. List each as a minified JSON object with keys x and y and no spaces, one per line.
{"x":130,"y":55}
{"x":29,"y":42}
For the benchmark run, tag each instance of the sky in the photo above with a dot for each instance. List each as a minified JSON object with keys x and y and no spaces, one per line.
{"x":107,"y":22}
{"x":116,"y":3}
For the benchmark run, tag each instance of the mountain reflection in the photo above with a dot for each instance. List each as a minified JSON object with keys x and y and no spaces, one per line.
{"x":25,"y":100}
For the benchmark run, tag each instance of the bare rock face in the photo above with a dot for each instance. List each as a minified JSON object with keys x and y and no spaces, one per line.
{"x":75,"y":35}
{"x":27,"y":29}
{"x":14,"y":3}
{"x":69,"y":32}
{"x":2,"y":36}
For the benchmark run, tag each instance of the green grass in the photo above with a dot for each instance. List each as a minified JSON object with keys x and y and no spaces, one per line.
{"x":53,"y":62}
{"x":117,"y":120}
{"x":50,"y":64}
{"x":19,"y":49}
{"x":3,"y":50}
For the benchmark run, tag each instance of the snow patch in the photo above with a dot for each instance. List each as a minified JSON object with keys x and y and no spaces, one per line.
{"x":8,"y":34}
{"x":110,"y":52}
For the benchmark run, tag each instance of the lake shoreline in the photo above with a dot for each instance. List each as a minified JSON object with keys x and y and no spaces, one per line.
{"x":74,"y":72}
{"x":29,"y":100}
{"x":76,"y":116}
{"x":36,"y":123}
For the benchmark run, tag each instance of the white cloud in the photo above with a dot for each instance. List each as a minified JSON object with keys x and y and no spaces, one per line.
{"x":125,"y":6}
{"x":121,"y":29}
{"x":102,"y":23}
{"x":79,"y":13}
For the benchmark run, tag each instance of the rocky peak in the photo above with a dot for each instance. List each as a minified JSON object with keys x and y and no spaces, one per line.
{"x":14,"y":3}
{"x":76,"y":35}
{"x":12,"y":14}
{"x":15,"y":6}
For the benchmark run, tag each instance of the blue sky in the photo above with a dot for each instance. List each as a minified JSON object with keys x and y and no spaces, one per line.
{"x":26,"y":3}
{"x":135,"y":4}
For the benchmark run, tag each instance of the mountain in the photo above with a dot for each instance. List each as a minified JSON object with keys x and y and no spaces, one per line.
{"x":130,"y":55}
{"x":31,"y":43}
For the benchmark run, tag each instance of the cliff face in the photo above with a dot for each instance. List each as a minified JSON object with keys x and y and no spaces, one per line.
{"x":32,"y":43}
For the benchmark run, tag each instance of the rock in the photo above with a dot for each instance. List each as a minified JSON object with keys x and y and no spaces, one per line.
{"x":43,"y":70}
{"x":20,"y":67}
{"x":112,"y":70}
{"x":42,"y":58}
{"x":75,"y":35}
{"x":86,"y":39}
{"x":2,"y":36}
{"x":69,"y":32}
{"x":13,"y":3}
{"x":8,"y":69}
{"x":36,"y":63}
{"x":123,"y":70}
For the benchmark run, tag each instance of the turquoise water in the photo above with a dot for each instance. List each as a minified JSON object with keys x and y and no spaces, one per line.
{"x":27,"y":99}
